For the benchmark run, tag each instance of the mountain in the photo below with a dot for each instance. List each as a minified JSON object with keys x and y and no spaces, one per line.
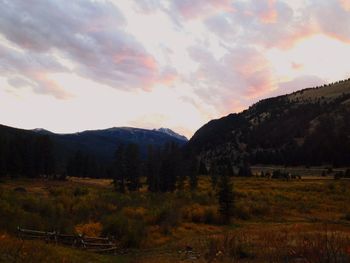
{"x":172,"y":133}
{"x":307,"y":127}
{"x":98,"y":143}
{"x":103,"y":143}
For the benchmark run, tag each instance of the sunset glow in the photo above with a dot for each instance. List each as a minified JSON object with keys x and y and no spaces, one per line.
{"x":68,"y":66}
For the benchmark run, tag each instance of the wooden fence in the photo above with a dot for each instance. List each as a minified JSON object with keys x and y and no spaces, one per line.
{"x":94,"y":244}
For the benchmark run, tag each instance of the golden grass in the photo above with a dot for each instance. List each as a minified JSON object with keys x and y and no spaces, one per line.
{"x":91,"y":229}
{"x":267,"y":212}
{"x":16,"y":250}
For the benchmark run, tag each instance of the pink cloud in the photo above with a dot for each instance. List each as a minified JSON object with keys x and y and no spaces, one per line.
{"x":269,"y":15}
{"x":201,"y":8}
{"x":331,"y":18}
{"x":299,"y":33}
{"x":298,"y":83}
{"x":88,"y":33}
{"x":48,"y":86}
{"x":168,"y":77}
{"x":296,"y":66}
{"x":345,"y":4}
{"x":31,"y":70}
{"x":242,"y":74}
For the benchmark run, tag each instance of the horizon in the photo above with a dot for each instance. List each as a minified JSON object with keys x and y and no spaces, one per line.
{"x":73,"y":66}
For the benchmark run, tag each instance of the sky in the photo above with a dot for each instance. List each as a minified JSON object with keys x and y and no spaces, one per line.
{"x":69,"y":66}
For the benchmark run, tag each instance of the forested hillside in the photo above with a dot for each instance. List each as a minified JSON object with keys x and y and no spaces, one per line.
{"x":38,"y":152}
{"x":308,"y":127}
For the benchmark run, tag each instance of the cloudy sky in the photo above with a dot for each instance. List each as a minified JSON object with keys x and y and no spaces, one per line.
{"x":71,"y":65}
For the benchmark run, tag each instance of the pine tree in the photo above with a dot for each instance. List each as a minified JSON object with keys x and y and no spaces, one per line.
{"x":226,"y":199}
{"x":45,"y":160}
{"x":202,"y":170}
{"x":245,"y":170}
{"x":213,"y":175}
{"x":153,"y":168}
{"x":193,"y":173}
{"x":119,"y":170}
{"x":132,"y":166}
{"x":170,"y":167}
{"x":2,"y":158}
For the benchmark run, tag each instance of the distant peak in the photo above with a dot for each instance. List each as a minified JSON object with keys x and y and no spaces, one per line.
{"x":171,"y":133}
{"x":41,"y":130}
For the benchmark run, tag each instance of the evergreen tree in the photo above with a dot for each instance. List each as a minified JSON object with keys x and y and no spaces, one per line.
{"x":44,"y":156}
{"x":153,"y":163}
{"x":245,"y":170}
{"x":2,"y":158}
{"x":132,"y":166}
{"x":13,"y":160}
{"x":193,"y":173}
{"x":202,"y":170}
{"x":226,"y":199}
{"x":119,"y":170}
{"x":213,"y":175}
{"x":170,"y":167}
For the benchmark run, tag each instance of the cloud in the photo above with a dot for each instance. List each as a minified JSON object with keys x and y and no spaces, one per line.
{"x":298,"y":83}
{"x":297,"y":66}
{"x":332,"y":18}
{"x":265,"y":23}
{"x":89,"y":34}
{"x":31,"y":70}
{"x":345,"y":4}
{"x":218,"y":56}
{"x":231,"y":81}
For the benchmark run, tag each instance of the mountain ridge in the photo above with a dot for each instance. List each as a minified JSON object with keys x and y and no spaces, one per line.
{"x":309,"y":126}
{"x":101,"y":144}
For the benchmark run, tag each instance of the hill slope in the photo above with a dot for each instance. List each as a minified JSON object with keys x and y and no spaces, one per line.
{"x":103,"y":143}
{"x":308,"y":127}
{"x":99,"y":143}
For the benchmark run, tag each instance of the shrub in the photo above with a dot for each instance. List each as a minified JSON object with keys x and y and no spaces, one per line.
{"x":338,"y":175}
{"x":242,"y":211}
{"x":201,"y":214}
{"x":129,"y":232}
{"x":134,"y":212}
{"x":229,"y":248}
{"x":92,"y":229}
{"x":80,"y":191}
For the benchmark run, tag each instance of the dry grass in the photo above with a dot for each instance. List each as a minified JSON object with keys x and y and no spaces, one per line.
{"x":331,"y":91}
{"x":16,"y":250}
{"x":274,"y":219}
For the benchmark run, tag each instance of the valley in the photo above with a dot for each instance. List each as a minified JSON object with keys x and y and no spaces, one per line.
{"x":272,"y":220}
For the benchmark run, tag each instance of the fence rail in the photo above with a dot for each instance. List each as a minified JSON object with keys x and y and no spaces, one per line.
{"x":93,"y":244}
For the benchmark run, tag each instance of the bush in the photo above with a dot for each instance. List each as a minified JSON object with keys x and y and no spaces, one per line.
{"x":229,"y":248}
{"x":338,"y":175}
{"x":242,"y":211}
{"x":134,"y":212}
{"x":80,"y":191}
{"x":92,"y":229}
{"x":129,"y":232}
{"x":201,"y":214}
{"x":347,"y":216}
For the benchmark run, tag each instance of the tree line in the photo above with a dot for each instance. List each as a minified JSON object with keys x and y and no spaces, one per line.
{"x":166,"y":169}
{"x":27,"y":156}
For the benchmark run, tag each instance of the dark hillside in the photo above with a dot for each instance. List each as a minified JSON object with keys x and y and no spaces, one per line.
{"x":308,"y":127}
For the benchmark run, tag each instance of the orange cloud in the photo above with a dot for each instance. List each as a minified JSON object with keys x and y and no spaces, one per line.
{"x":48,"y":86}
{"x":270,"y":15}
{"x":298,"y":34}
{"x":202,"y":8}
{"x":345,"y":4}
{"x":297,"y":66}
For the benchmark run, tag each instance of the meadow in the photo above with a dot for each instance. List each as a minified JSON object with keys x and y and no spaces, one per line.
{"x":274,"y":221}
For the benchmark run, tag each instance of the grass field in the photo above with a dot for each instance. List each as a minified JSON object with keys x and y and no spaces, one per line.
{"x":275,"y":221}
